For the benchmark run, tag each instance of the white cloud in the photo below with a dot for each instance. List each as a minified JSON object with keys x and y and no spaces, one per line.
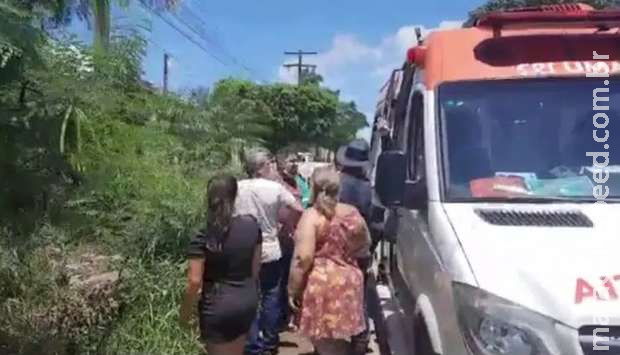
{"x":346,"y":50}
{"x":406,"y":37}
{"x":359,"y":69}
{"x":286,"y":75}
{"x":450,"y":24}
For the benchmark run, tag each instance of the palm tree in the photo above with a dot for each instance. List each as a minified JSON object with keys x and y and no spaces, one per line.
{"x":101,"y":13}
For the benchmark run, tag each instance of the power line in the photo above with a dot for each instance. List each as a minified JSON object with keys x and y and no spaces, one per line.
{"x":171,"y":54}
{"x":301,"y":67}
{"x":185,"y":9}
{"x":196,"y":32}
{"x":202,"y":33}
{"x":161,"y":48}
{"x":187,"y":36}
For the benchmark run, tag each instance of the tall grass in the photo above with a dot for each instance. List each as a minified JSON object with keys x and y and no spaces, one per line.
{"x":139,"y":201}
{"x":149,"y":323}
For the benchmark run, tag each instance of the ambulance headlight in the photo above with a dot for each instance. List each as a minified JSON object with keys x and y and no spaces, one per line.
{"x":494,"y":326}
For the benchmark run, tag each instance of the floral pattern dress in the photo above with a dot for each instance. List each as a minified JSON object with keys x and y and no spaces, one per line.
{"x":332,"y":302}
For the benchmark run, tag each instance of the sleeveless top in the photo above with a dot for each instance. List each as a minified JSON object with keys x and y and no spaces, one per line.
{"x":332,"y":303}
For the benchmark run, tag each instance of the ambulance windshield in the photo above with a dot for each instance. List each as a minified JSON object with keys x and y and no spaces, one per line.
{"x":534,"y":139}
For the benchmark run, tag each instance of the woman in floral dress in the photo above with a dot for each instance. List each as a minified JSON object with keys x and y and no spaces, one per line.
{"x":326,"y":284}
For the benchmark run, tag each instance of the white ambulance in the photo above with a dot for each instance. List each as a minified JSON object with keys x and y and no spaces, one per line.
{"x":500,"y":175}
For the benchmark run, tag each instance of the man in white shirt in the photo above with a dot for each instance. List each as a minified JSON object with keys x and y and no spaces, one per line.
{"x":263,"y":198}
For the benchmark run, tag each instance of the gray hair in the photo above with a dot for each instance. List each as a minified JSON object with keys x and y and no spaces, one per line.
{"x":255,"y":159}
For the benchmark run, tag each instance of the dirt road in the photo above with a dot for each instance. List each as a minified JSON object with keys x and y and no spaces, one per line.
{"x":294,"y":345}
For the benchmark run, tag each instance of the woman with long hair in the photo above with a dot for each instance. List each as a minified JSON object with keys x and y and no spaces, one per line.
{"x":326,"y":284}
{"x":224,"y":262}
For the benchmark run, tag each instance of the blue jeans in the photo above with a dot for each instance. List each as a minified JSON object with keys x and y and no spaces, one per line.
{"x":287,"y":257}
{"x":264,"y":333}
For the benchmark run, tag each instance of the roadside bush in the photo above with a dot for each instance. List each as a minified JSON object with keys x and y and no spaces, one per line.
{"x":149,"y":322}
{"x":54,"y":301}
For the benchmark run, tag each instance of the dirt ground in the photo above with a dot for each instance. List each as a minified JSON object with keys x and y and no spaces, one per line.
{"x":291,"y":344}
{"x":294,"y":345}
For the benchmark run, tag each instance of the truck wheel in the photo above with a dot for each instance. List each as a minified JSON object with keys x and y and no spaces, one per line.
{"x":422,"y":341}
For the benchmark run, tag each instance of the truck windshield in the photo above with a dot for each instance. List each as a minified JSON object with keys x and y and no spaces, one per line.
{"x":529,"y":139}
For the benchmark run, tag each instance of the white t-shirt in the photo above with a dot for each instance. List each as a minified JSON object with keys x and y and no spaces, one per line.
{"x":263,"y":199}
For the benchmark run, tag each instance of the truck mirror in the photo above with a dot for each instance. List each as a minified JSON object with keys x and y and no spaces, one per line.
{"x":391,"y":173}
{"x":392,"y":186}
{"x":416,"y":194}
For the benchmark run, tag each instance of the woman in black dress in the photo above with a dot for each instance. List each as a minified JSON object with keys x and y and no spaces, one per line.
{"x":225,"y":260}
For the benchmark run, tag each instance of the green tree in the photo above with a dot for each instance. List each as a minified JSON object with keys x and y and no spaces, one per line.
{"x":96,"y":12}
{"x":299,"y":113}
{"x":234,"y":113}
{"x":199,"y":96}
{"x":348,"y":122}
{"x":102,"y":14}
{"x":19,"y":40}
{"x":311,"y":78}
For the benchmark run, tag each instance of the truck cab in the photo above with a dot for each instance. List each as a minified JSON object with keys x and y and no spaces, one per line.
{"x":500,"y":175}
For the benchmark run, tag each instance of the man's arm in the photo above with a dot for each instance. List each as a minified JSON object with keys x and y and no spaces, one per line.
{"x":288,"y":200}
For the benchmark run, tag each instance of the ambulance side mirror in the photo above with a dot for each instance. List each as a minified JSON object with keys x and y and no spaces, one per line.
{"x":391,"y":174}
{"x":392,"y":185}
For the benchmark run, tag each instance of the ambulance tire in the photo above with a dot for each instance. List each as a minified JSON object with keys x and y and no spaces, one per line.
{"x":422,"y":340}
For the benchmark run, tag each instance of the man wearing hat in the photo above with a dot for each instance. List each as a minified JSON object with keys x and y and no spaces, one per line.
{"x":355,"y":189}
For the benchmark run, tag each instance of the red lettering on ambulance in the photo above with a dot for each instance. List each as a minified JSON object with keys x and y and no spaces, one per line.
{"x":543,"y":68}
{"x":523,"y":69}
{"x":583,"y":290}
{"x":608,"y":283}
{"x":573,"y":67}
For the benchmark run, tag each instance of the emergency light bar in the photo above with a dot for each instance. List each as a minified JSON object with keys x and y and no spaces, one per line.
{"x":551,"y":16}
{"x":416,"y":55}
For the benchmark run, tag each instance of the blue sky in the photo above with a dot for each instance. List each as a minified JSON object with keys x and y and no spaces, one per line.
{"x":359,"y":41}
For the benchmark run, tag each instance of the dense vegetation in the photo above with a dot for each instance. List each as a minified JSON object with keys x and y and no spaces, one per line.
{"x":102,"y":181}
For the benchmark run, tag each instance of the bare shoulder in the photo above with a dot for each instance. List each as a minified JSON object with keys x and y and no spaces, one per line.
{"x":343,"y":209}
{"x":350,"y":213}
{"x":310,"y":223}
{"x":312,"y":215}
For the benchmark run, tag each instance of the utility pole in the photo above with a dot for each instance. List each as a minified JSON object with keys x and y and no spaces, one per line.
{"x":301,"y":67}
{"x":166,"y":60}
